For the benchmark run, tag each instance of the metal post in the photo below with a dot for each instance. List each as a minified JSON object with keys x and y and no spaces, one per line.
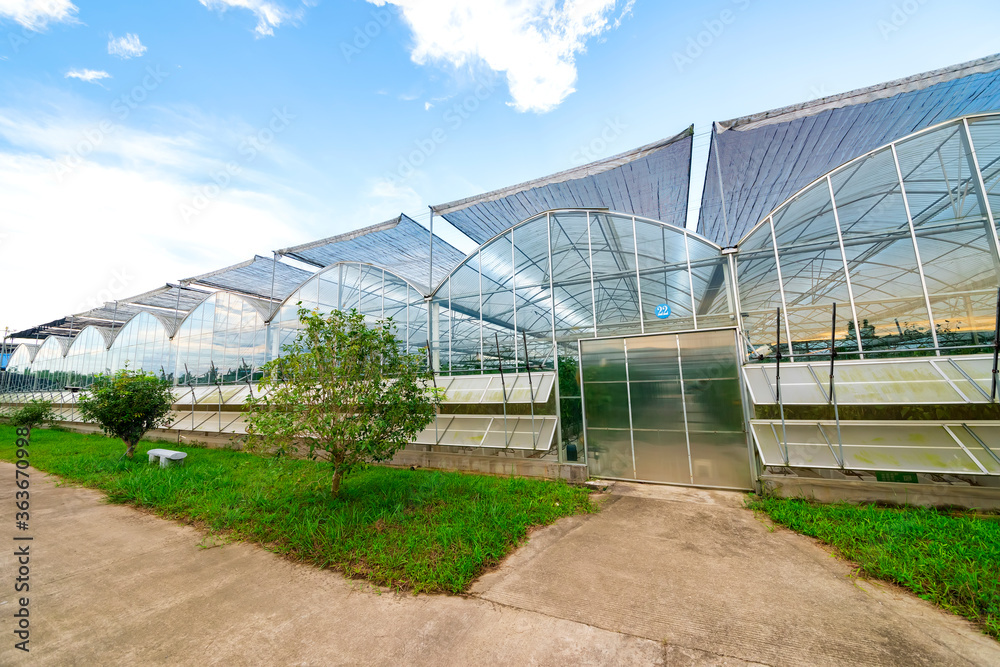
{"x":531,"y":390}
{"x":430,"y":260}
{"x":503,"y":385}
{"x":187,"y":374}
{"x":996,"y":350}
{"x":833,"y":394}
{"x":274,"y":266}
{"x":219,"y":387}
{"x":916,"y":255}
{"x":430,"y":366}
{"x":777,"y":382}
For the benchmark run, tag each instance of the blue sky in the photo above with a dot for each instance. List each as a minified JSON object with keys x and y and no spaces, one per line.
{"x":142,"y":142}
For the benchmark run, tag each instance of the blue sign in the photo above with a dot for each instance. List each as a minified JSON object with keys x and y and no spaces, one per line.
{"x":663,"y":311}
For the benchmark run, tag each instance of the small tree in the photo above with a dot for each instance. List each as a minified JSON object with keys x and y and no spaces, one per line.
{"x":342,"y":388}
{"x":127,"y":404}
{"x":30,"y":415}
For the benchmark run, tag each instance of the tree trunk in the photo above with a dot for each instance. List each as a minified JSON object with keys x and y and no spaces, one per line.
{"x":131,"y":450}
{"x":335,"y":487}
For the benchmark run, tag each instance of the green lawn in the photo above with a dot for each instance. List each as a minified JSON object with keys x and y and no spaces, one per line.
{"x":949,"y":558}
{"x":419,"y":530}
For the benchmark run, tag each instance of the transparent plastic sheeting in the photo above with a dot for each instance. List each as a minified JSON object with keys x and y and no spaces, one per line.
{"x":907,"y":446}
{"x":494,"y":431}
{"x":929,"y":380}
{"x":902,"y":239}
{"x":567,"y":275}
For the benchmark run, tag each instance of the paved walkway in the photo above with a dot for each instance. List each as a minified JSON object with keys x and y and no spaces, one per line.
{"x":684,"y":577}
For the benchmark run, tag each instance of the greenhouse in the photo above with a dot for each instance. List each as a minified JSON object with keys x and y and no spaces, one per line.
{"x":833,"y":316}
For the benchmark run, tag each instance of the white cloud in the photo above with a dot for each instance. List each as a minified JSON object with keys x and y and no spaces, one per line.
{"x":270,"y":15}
{"x":535,"y":42}
{"x":37,"y":14}
{"x":387,"y":198}
{"x":126,"y":47}
{"x":112,"y":194}
{"x":118,"y":222}
{"x":88,"y":75}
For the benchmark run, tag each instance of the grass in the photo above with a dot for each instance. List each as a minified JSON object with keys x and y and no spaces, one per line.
{"x":949,"y":558}
{"x":419,"y":530}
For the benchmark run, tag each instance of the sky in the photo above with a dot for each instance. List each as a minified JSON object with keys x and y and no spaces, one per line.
{"x":145,"y":142}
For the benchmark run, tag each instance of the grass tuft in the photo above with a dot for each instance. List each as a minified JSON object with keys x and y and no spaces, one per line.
{"x":949,"y":558}
{"x":419,"y":530}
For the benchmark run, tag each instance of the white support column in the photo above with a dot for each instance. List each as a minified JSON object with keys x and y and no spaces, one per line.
{"x":590,"y":260}
{"x":916,"y":251}
{"x":847,"y":270}
{"x":984,"y":200}
{"x":781,"y":288}
{"x":638,"y":279}
{"x":687,"y":258}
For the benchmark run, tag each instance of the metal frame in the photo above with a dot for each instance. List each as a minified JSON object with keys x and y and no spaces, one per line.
{"x":961,"y":124}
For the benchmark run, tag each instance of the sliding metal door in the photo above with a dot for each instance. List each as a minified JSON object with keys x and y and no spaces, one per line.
{"x":665,"y":408}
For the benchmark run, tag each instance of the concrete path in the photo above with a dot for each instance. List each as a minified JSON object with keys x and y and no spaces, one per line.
{"x":632,"y":585}
{"x":693,"y":568}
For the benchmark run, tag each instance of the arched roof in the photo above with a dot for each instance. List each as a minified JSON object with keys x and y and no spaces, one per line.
{"x":319,"y":275}
{"x":263,"y":308}
{"x":106,"y":335}
{"x":859,"y":163}
{"x":673,"y":229}
{"x":164,"y":323}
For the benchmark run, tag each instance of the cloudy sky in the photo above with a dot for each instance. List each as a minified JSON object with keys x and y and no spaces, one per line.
{"x":142,"y":142}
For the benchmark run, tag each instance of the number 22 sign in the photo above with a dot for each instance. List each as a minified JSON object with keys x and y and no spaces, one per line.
{"x":663,"y":311}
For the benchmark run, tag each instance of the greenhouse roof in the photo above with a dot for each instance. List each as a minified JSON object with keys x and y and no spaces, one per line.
{"x":169,"y":303}
{"x":400,"y":245}
{"x":759,"y":161}
{"x":260,"y":277}
{"x":651,"y":181}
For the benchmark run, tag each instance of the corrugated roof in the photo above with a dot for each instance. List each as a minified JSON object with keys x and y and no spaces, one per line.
{"x":651,"y":181}
{"x":767,"y":157}
{"x":400,"y":245}
{"x":260,"y":277}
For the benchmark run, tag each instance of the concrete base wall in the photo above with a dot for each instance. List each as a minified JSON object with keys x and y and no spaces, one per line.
{"x":929,"y":495}
{"x":492,"y":465}
{"x":207,"y":438}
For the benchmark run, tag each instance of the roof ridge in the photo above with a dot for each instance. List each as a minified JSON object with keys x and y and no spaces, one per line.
{"x":861,"y":95}
{"x":574,"y":173}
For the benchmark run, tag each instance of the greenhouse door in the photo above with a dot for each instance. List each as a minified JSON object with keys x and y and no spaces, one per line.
{"x":665,"y":408}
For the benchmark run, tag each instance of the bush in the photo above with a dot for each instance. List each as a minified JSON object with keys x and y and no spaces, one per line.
{"x":127,"y":404}
{"x":32,"y":414}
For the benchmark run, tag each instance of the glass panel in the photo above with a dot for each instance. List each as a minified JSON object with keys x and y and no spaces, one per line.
{"x":712,"y":285}
{"x":986,"y":139}
{"x":664,"y":276}
{"x":812,"y":269}
{"x":571,"y":276}
{"x":603,"y":361}
{"x":760,"y":297}
{"x":953,"y":234}
{"x":661,"y":452}
{"x":615,"y":280}
{"x":714,"y":410}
